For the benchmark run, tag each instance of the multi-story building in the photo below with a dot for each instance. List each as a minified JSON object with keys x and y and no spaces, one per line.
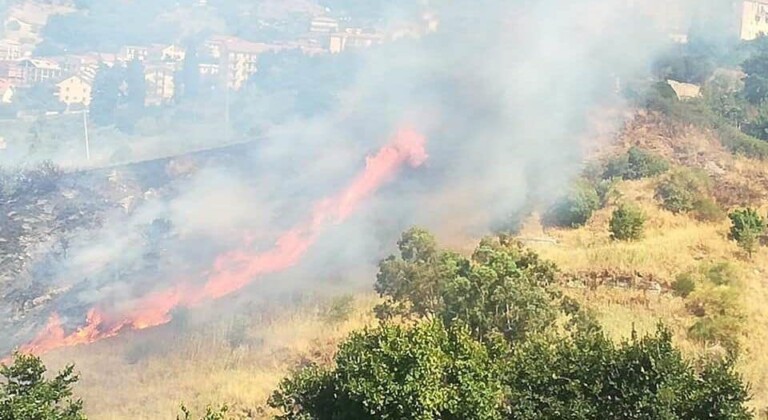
{"x":134,"y":52}
{"x":353,"y":38}
{"x":173,"y":52}
{"x":10,"y":50}
{"x":76,"y":90}
{"x":754,"y":19}
{"x":160,"y":83}
{"x":237,"y":58}
{"x":34,"y":70}
{"x":324,"y":25}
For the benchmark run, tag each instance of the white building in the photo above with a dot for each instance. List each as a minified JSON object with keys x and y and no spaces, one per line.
{"x":754,"y":19}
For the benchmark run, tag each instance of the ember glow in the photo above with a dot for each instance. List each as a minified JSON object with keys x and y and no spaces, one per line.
{"x":236,"y":269}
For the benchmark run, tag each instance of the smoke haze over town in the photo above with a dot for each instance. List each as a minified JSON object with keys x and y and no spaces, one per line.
{"x":161,"y":158}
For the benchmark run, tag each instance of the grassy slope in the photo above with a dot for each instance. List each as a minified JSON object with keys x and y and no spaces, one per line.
{"x":123,"y":378}
{"x":674,"y":244}
{"x":148,"y":374}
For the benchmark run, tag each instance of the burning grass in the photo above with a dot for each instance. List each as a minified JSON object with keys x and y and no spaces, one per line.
{"x":238,"y":360}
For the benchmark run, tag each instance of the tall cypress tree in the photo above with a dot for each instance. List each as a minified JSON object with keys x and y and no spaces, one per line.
{"x":105,"y":95}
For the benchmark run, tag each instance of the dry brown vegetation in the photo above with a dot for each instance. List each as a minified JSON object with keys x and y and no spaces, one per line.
{"x":147,"y":375}
{"x":629,"y":288}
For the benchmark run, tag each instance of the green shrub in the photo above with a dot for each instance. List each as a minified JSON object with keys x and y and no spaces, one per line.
{"x":635,"y":164}
{"x":513,"y":222}
{"x":682,"y":189}
{"x":684,"y":285}
{"x":741,"y":144}
{"x":699,"y":114}
{"x":746,"y":228}
{"x":627,"y":223}
{"x":28,"y":393}
{"x":720,"y":316}
{"x":720,"y":274}
{"x":211,"y":413}
{"x":575,"y":209}
{"x":706,"y":210}
{"x":606,"y":191}
{"x":430,"y":371}
{"x":339,"y":309}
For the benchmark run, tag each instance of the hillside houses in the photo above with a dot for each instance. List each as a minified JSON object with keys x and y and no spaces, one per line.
{"x":223,"y":61}
{"x":38,"y":70}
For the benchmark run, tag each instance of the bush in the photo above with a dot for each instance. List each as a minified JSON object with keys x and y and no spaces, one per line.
{"x":636,"y":164}
{"x":339,"y":309}
{"x":429,"y":371}
{"x":26,"y":393}
{"x":746,"y":228}
{"x":682,"y":189}
{"x":606,"y":191}
{"x":211,"y":413}
{"x":684,"y":285}
{"x":575,"y":209}
{"x":627,"y":223}
{"x":513,"y":222}
{"x":706,"y":210}
{"x":741,"y":144}
{"x":720,"y":274}
{"x":720,"y":317}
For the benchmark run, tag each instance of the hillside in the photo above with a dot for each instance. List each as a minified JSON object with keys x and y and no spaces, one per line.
{"x":240,"y":359}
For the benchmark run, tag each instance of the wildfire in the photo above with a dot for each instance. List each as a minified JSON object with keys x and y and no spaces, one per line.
{"x":236,"y":269}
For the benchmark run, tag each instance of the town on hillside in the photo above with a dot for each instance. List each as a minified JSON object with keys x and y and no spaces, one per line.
{"x":222,"y":60}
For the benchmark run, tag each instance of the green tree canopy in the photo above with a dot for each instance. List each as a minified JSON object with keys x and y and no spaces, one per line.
{"x":501,"y":288}
{"x":746,"y":227}
{"x":430,"y":371}
{"x":26,"y":394}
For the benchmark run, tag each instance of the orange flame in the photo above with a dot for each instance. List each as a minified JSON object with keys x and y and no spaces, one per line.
{"x":234,"y":270}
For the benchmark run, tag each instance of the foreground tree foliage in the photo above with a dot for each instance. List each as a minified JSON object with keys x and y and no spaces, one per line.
{"x":487,"y":337}
{"x":26,"y":394}
{"x":501,"y":288}
{"x":430,"y":371}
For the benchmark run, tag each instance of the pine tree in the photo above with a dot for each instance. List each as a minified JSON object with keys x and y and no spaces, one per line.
{"x":189,"y":86}
{"x":105,"y":95}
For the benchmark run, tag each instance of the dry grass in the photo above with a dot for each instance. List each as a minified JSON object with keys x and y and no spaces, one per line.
{"x":148,"y":374}
{"x":200,"y":366}
{"x":674,"y":244}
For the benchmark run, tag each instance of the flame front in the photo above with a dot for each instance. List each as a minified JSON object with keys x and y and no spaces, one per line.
{"x":236,"y":269}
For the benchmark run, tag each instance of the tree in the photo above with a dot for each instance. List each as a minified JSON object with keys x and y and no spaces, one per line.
{"x":682,"y":189}
{"x":424,"y":372}
{"x":502,"y":288}
{"x":439,"y":368}
{"x":105,"y":95}
{"x":635,"y":164}
{"x":756,"y":68}
{"x":627,"y":223}
{"x":575,"y":209}
{"x":25,"y":393}
{"x":430,"y":371}
{"x":587,"y":377}
{"x":131,"y":104}
{"x":189,"y":86}
{"x":746,"y":227}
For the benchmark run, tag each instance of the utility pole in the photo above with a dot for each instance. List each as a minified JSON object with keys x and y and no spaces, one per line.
{"x":226,"y":113}
{"x":87,"y":141}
